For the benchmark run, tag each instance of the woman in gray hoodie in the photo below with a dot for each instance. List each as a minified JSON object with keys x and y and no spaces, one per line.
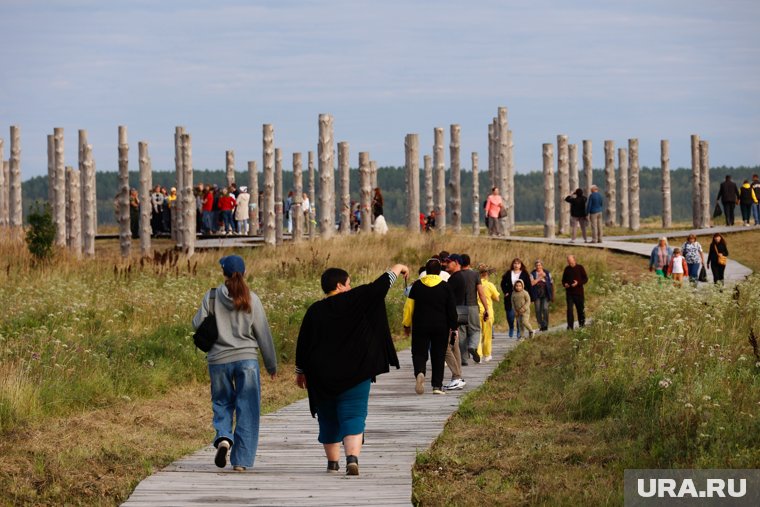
{"x":233,"y":364}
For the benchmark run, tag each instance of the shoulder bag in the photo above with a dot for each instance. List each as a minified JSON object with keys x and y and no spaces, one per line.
{"x":207,"y":333}
{"x":722,"y":259}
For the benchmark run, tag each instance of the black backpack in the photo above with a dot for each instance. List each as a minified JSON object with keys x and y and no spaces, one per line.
{"x":207,"y":333}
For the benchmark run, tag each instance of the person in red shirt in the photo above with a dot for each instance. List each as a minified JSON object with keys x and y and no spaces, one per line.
{"x":207,"y":215}
{"x":226,"y":205}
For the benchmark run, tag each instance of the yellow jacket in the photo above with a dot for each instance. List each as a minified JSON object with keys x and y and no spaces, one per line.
{"x":492,"y":294}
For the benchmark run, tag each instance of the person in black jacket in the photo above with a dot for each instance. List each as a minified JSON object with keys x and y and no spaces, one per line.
{"x":515,"y":272}
{"x":577,"y":214}
{"x":718,"y":246}
{"x":431,"y":313}
{"x":573,"y":279}
{"x":728,"y":194}
{"x":343,"y":344}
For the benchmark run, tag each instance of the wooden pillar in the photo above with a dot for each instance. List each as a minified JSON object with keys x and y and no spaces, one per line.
{"x":475,"y":196}
{"x":704,"y":168}
{"x":412,"y":156}
{"x":268,"y":211}
{"x":667,"y":211}
{"x":278,"y":208}
{"x":492,"y":154}
{"x":455,"y":188}
{"x":51,"y":170}
{"x":549,"y":225}
{"x":696,"y":182}
{"x":563,"y":173}
{"x":3,"y":187}
{"x":74,"y":197}
{"x":610,"y":190}
{"x":253,"y":205}
{"x":345,"y":190}
{"x":312,"y":199}
{"x":373,"y":174}
{"x":623,"y":187}
{"x":511,"y":183}
{"x":575,"y":182}
{"x":179,"y":173}
{"x":428,"y":171}
{"x":188,"y":197}
{"x":297,"y":209}
{"x":502,"y":156}
{"x":82,"y":134}
{"x":588,"y":168}
{"x":146,"y":184}
{"x":229,"y":165}
{"x":633,"y":185}
{"x":6,"y":191}
{"x":125,"y":236}
{"x":365,"y":192}
{"x":15,"y":205}
{"x":90,"y":203}
{"x":439,"y":169}
{"x":59,"y":208}
{"x":326,"y":177}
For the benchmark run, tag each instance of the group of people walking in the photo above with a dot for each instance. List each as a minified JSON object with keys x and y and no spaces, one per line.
{"x":747,"y":197}
{"x":689,"y":260}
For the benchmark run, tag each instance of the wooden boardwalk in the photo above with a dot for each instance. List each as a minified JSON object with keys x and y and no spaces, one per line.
{"x":290,"y":463}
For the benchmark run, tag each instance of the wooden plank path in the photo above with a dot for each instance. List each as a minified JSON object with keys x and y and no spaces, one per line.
{"x":290,"y":463}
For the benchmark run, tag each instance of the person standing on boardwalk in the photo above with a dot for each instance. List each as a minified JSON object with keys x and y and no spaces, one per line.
{"x":516,"y":272}
{"x":728,"y":194}
{"x":486,"y":313}
{"x":660,"y":257}
{"x":717,"y":257}
{"x":521,"y":305}
{"x":492,"y":208}
{"x":233,"y":364}
{"x":343,"y":344}
{"x":577,"y":214}
{"x":467,"y":290}
{"x":241,"y":210}
{"x":431,"y":314}
{"x":747,"y":199}
{"x":453,"y":353}
{"x":594,"y":212}
{"x":573,"y":279}
{"x":677,"y":268}
{"x":755,"y":184}
{"x":543,"y":293}
{"x":695,"y":259}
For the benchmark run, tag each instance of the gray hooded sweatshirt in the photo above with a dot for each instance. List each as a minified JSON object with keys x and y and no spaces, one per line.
{"x":241,"y":334}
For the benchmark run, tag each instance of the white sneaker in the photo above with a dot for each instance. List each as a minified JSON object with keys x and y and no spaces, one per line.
{"x":419,"y":387}
{"x":487,"y":359}
{"x":455,"y":384}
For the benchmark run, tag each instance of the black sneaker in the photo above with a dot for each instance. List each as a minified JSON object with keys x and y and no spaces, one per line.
{"x":222,"y":448}
{"x":333,"y":466}
{"x":475,"y":355}
{"x":352,"y":465}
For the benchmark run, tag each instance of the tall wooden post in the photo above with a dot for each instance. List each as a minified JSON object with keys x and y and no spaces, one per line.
{"x":428,"y":171}
{"x":51,"y":170}
{"x":502,"y":156}
{"x":146,"y":183}
{"x":59,"y":209}
{"x":492,"y":154}
{"x":297,"y":209}
{"x":373,"y":174}
{"x":575,"y":182}
{"x":188,"y":197}
{"x":588,"y":168}
{"x":268,"y":213}
{"x":326,"y":177}
{"x":455,"y":189}
{"x":633,"y":185}
{"x":229,"y":165}
{"x":696,"y":183}
{"x":412,"y":152}
{"x":14,"y":183}
{"x":475,"y":196}
{"x":6,"y":214}
{"x":704,"y":165}
{"x":511,"y":183}
{"x":345,"y":191}
{"x":667,"y":212}
{"x":312,"y":199}
{"x":89,"y":206}
{"x":125,"y":235}
{"x":563,"y":173}
{"x":365,"y":191}
{"x":278,"y":207}
{"x":610,"y":190}
{"x":549,"y":224}
{"x":179,"y":173}
{"x":80,"y":153}
{"x":440,"y":180}
{"x":75,"y":205}
{"x":253,"y":204}
{"x":4,"y":193}
{"x":623,"y":187}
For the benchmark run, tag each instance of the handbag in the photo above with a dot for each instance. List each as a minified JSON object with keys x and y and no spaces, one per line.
{"x":207,"y":333}
{"x":502,"y":211}
{"x":717,"y":211}
{"x":463,"y":314}
{"x":702,"y":274}
{"x":722,"y":259}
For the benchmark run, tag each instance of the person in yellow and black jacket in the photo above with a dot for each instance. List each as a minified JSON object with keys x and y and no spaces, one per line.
{"x":747,"y":199}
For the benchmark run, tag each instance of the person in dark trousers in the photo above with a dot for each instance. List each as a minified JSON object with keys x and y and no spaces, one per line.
{"x":573,"y":279}
{"x":344,"y":343}
{"x":728,"y":194}
{"x":747,"y":199}
{"x":431,"y":313}
{"x":718,"y":251}
{"x":755,"y":184}
{"x":467,"y":288}
{"x":577,"y":214}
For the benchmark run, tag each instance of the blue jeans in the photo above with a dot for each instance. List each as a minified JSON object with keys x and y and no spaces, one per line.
{"x":227,"y":219}
{"x":242,"y":226}
{"x":207,"y":222}
{"x":511,"y":322}
{"x":236,"y":389}
{"x":542,"y":313}
{"x":756,"y":213}
{"x":694,"y":271}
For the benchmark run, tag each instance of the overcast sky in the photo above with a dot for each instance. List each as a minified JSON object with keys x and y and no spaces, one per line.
{"x":589,"y":69}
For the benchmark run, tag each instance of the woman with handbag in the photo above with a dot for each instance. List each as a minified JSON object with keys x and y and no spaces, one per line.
{"x":233,"y":363}
{"x":717,"y":257}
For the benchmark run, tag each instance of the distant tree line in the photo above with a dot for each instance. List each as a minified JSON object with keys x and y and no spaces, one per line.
{"x":529,"y":191}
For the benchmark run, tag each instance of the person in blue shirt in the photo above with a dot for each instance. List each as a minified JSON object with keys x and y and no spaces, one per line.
{"x":594,"y":211}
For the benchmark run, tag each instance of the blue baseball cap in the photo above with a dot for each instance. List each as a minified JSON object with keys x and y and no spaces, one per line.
{"x":456,"y":258}
{"x":232,"y":264}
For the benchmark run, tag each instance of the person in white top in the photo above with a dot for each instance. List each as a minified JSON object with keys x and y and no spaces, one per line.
{"x":241,"y":210}
{"x":677,"y":267}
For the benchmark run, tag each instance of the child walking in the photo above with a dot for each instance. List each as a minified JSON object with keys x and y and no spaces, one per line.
{"x":677,"y":267}
{"x":521,"y":306}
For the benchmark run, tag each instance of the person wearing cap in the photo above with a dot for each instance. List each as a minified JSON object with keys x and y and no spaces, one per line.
{"x":343,"y":344}
{"x":486,"y":313}
{"x":241,"y":211}
{"x":233,"y":364}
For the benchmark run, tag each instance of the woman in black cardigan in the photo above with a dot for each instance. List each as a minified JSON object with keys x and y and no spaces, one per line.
{"x":516,"y":272}
{"x":718,"y":245}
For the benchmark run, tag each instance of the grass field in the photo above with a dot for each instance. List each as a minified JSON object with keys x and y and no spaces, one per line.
{"x":100,"y":383}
